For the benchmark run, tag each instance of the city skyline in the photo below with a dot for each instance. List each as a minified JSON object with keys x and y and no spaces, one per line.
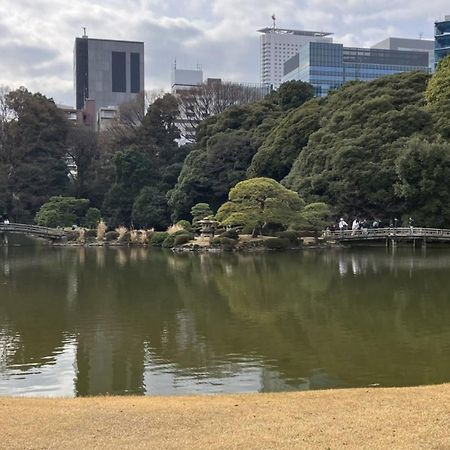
{"x":221,"y":35}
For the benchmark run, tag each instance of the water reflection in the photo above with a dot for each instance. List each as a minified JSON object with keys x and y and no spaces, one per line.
{"x":133,"y":321}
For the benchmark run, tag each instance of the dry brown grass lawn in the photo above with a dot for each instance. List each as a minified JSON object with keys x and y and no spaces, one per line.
{"x":360,"y":418}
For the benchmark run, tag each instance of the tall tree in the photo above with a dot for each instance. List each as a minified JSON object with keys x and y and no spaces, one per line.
{"x":33,"y":161}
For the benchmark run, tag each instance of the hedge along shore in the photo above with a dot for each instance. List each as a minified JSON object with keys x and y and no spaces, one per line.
{"x":369,"y":418}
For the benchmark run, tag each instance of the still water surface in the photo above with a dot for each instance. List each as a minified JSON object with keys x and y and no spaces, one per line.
{"x":77,"y":322}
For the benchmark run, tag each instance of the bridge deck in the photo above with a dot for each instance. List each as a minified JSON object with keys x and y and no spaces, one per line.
{"x":379,"y":234}
{"x":34,"y":230}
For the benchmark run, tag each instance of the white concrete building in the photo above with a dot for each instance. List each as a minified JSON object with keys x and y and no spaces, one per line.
{"x":406,"y":44}
{"x":278,"y":45}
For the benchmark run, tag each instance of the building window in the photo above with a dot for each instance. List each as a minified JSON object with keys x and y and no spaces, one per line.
{"x":119,"y":72}
{"x":135,"y":72}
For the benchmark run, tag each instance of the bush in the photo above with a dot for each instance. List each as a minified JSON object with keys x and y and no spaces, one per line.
{"x":126,"y":238}
{"x":185,"y":224}
{"x":224,"y":243}
{"x":291,"y":236}
{"x":111,"y":236}
{"x":231,"y":234}
{"x":92,"y":218}
{"x":183,"y":239}
{"x":72,"y":236}
{"x":169,"y":242}
{"x":277,"y":243}
{"x":90,"y":234}
{"x":158,"y":238}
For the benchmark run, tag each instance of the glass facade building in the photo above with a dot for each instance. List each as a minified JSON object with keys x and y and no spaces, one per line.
{"x":328,"y":66}
{"x":442,"y":39}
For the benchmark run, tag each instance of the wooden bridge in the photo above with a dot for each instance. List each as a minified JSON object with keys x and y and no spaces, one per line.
{"x":32,"y":230}
{"x":390,"y":236}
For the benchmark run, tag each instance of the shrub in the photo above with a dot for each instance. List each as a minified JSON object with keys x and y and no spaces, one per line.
{"x":158,"y":238}
{"x":231,"y":234}
{"x":185,"y":224}
{"x":111,"y":236}
{"x":277,"y":243}
{"x":291,"y":236}
{"x":72,"y":236}
{"x":81,"y":235}
{"x":125,"y":239}
{"x":92,"y":218}
{"x":183,"y":239}
{"x":90,"y":234}
{"x":169,"y":242}
{"x":134,"y":236}
{"x":224,"y":243}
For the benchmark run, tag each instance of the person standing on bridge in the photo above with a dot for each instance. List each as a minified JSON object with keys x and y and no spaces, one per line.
{"x":343,"y":225}
{"x":411,"y":224}
{"x":355,"y":226}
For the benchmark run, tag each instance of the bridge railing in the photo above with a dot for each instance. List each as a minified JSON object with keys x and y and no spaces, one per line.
{"x":368,"y":233}
{"x":30,"y":229}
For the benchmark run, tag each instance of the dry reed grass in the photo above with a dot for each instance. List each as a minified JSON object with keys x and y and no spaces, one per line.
{"x":82,"y":235}
{"x":121,"y":231}
{"x":101,"y":230}
{"x":134,"y":236}
{"x":174,"y":229}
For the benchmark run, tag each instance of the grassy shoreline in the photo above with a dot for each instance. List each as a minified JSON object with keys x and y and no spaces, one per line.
{"x":415,"y":417}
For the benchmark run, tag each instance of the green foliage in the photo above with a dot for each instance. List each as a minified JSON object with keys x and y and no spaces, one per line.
{"x":232,"y":234}
{"x":200,"y":211}
{"x":90,"y":234}
{"x":158,"y":238}
{"x":438,"y":98}
{"x":150,"y":209}
{"x":169,"y":242}
{"x":226,"y":145}
{"x":291,"y":236}
{"x":424,"y":172}
{"x":293,"y":94}
{"x":183,"y":239}
{"x":282,"y":146}
{"x":32,"y":153}
{"x":277,"y":243}
{"x":185,"y":224}
{"x":259,"y":202}
{"x":224,"y":243}
{"x":350,"y":161}
{"x":62,"y":212}
{"x":92,"y":218}
{"x":438,"y":89}
{"x":314,"y":217}
{"x":111,"y":236}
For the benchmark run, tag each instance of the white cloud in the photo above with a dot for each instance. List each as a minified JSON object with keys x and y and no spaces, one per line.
{"x":37,"y":36}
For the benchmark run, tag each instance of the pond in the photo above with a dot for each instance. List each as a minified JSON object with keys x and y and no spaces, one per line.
{"x":91,"y":321}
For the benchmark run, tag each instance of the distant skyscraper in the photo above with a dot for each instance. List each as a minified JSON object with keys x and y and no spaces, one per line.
{"x":405,"y":44}
{"x":110,"y":72}
{"x":442,"y":39}
{"x":278,"y":45}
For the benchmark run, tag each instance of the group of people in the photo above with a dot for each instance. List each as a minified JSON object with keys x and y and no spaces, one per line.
{"x":364,"y":224}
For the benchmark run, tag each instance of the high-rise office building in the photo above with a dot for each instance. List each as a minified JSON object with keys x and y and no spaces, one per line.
{"x":278,"y":45}
{"x":405,"y":44}
{"x":109,"y":72}
{"x":442,"y":39}
{"x":329,"y":66}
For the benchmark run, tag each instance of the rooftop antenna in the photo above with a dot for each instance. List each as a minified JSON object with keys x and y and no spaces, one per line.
{"x":274,"y":25}
{"x":175,"y":64}
{"x":421,"y":35}
{"x":84,"y":32}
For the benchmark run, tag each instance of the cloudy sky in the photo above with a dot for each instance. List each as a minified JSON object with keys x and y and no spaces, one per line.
{"x":37,"y":36}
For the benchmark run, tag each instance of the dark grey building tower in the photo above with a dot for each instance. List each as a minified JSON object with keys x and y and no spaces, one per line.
{"x":110,"y":72}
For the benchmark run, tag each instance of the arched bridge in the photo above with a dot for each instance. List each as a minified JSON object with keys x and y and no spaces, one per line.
{"x":32,"y":230}
{"x":391,"y":236}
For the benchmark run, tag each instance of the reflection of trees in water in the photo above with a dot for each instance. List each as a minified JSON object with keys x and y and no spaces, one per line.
{"x":377,"y":322}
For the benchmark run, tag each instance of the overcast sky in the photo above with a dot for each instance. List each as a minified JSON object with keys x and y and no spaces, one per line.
{"x":37,"y":36}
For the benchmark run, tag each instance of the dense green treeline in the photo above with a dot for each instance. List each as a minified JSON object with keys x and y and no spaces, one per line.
{"x":379,"y":149}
